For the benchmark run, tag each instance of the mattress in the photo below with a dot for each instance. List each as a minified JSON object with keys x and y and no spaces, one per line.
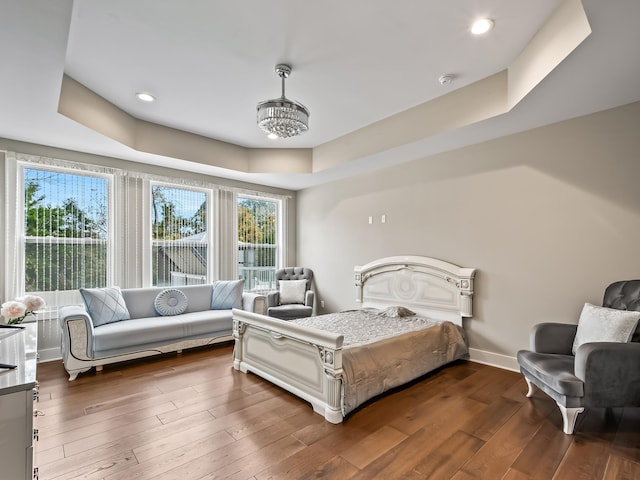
{"x":384,"y":349}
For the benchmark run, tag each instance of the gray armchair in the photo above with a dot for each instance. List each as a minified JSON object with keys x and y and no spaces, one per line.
{"x":600,"y":374}
{"x":294,"y":301}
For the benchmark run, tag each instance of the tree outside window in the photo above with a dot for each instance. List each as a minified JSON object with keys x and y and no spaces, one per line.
{"x":65,"y":230}
{"x":257,"y":242}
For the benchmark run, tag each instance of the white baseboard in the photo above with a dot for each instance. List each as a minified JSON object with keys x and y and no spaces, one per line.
{"x":49,"y":354}
{"x":494,"y":359}
{"x":479,"y":356}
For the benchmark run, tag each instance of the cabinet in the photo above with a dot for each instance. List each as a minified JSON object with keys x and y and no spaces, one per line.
{"x":18,"y":388}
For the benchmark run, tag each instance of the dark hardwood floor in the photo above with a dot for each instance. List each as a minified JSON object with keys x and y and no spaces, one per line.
{"x":191,"y":416}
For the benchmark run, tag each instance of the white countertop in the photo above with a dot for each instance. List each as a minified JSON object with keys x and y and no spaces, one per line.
{"x":18,"y":347}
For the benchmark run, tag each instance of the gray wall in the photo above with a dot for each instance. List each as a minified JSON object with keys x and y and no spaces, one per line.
{"x":549,"y":218}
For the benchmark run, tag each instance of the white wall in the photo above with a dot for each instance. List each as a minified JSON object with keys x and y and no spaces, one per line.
{"x":549,"y":218}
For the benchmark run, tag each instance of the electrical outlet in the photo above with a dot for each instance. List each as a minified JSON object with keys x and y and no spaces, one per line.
{"x":321,"y":303}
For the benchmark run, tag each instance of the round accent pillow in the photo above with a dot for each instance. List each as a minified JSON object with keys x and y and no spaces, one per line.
{"x":170,"y":301}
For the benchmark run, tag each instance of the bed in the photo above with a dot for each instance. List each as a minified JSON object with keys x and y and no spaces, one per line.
{"x":412,"y":307}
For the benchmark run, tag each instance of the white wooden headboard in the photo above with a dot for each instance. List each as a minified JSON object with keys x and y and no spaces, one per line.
{"x":428,"y":286}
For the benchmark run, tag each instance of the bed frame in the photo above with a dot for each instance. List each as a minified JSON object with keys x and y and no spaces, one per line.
{"x":308,"y":362}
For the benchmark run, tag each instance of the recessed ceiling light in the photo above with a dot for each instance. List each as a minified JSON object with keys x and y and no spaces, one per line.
{"x":145,"y":97}
{"x":482,"y":25}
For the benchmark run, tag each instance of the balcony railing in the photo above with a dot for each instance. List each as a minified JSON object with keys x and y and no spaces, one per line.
{"x":258,"y":279}
{"x":180,"y":278}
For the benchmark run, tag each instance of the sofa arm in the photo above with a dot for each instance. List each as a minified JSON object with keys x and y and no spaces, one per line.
{"x":254,"y":302}
{"x":553,"y":338}
{"x":308,"y":298}
{"x":610,"y":373}
{"x":273,"y":299}
{"x":77,"y":332}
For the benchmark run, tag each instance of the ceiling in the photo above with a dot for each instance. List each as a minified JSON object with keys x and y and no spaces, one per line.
{"x":355,"y":63}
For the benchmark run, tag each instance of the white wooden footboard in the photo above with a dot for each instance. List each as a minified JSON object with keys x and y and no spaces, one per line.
{"x":304,"y":361}
{"x":308,"y":362}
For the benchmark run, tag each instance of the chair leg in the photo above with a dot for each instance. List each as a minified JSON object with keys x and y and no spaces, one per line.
{"x":532,"y":387}
{"x":569,"y":417}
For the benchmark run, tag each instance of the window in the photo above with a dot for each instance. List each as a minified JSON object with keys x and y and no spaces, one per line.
{"x":258,"y":241}
{"x":179,"y":235}
{"x":65,"y":230}
{"x":71,"y":225}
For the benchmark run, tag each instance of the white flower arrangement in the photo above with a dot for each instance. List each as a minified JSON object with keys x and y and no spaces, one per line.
{"x":19,"y":309}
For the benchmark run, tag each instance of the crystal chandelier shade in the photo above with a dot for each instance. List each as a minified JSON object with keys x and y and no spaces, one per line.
{"x":282,"y":117}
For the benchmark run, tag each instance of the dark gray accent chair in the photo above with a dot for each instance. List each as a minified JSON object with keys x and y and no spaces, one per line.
{"x":601,"y":374}
{"x":292,"y":310}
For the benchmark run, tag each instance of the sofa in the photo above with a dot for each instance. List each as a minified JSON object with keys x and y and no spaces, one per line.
{"x":115,"y":325}
{"x":591,"y":364}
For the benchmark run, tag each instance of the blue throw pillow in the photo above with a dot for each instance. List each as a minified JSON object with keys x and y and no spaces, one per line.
{"x":171,"y":301}
{"x":105,"y":305}
{"x":227,"y":294}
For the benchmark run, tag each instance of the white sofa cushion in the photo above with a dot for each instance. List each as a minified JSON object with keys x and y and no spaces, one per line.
{"x":145,"y":333}
{"x":140,"y":300}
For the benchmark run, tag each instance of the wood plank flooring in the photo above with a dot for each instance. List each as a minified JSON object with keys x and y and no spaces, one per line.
{"x":191,"y":416}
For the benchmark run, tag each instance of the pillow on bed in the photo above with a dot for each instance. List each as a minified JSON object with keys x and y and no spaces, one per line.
{"x":170,"y":301}
{"x":396,"y":311}
{"x":292,"y":291}
{"x":601,"y":324}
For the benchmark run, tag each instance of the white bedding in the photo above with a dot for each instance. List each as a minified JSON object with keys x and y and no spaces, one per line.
{"x":365,"y":325}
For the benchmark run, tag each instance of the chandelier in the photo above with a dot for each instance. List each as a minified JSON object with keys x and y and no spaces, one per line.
{"x":282,"y":117}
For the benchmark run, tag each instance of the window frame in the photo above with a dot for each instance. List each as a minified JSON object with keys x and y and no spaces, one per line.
{"x":280,"y":229}
{"x":148,"y":228}
{"x":22,"y":239}
{"x":128,"y":222}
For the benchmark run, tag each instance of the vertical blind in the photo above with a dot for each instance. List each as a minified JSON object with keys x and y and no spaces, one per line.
{"x":81,"y":225}
{"x":257,"y":241}
{"x":65,"y":230}
{"x":71,"y":225}
{"x":180,"y":237}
